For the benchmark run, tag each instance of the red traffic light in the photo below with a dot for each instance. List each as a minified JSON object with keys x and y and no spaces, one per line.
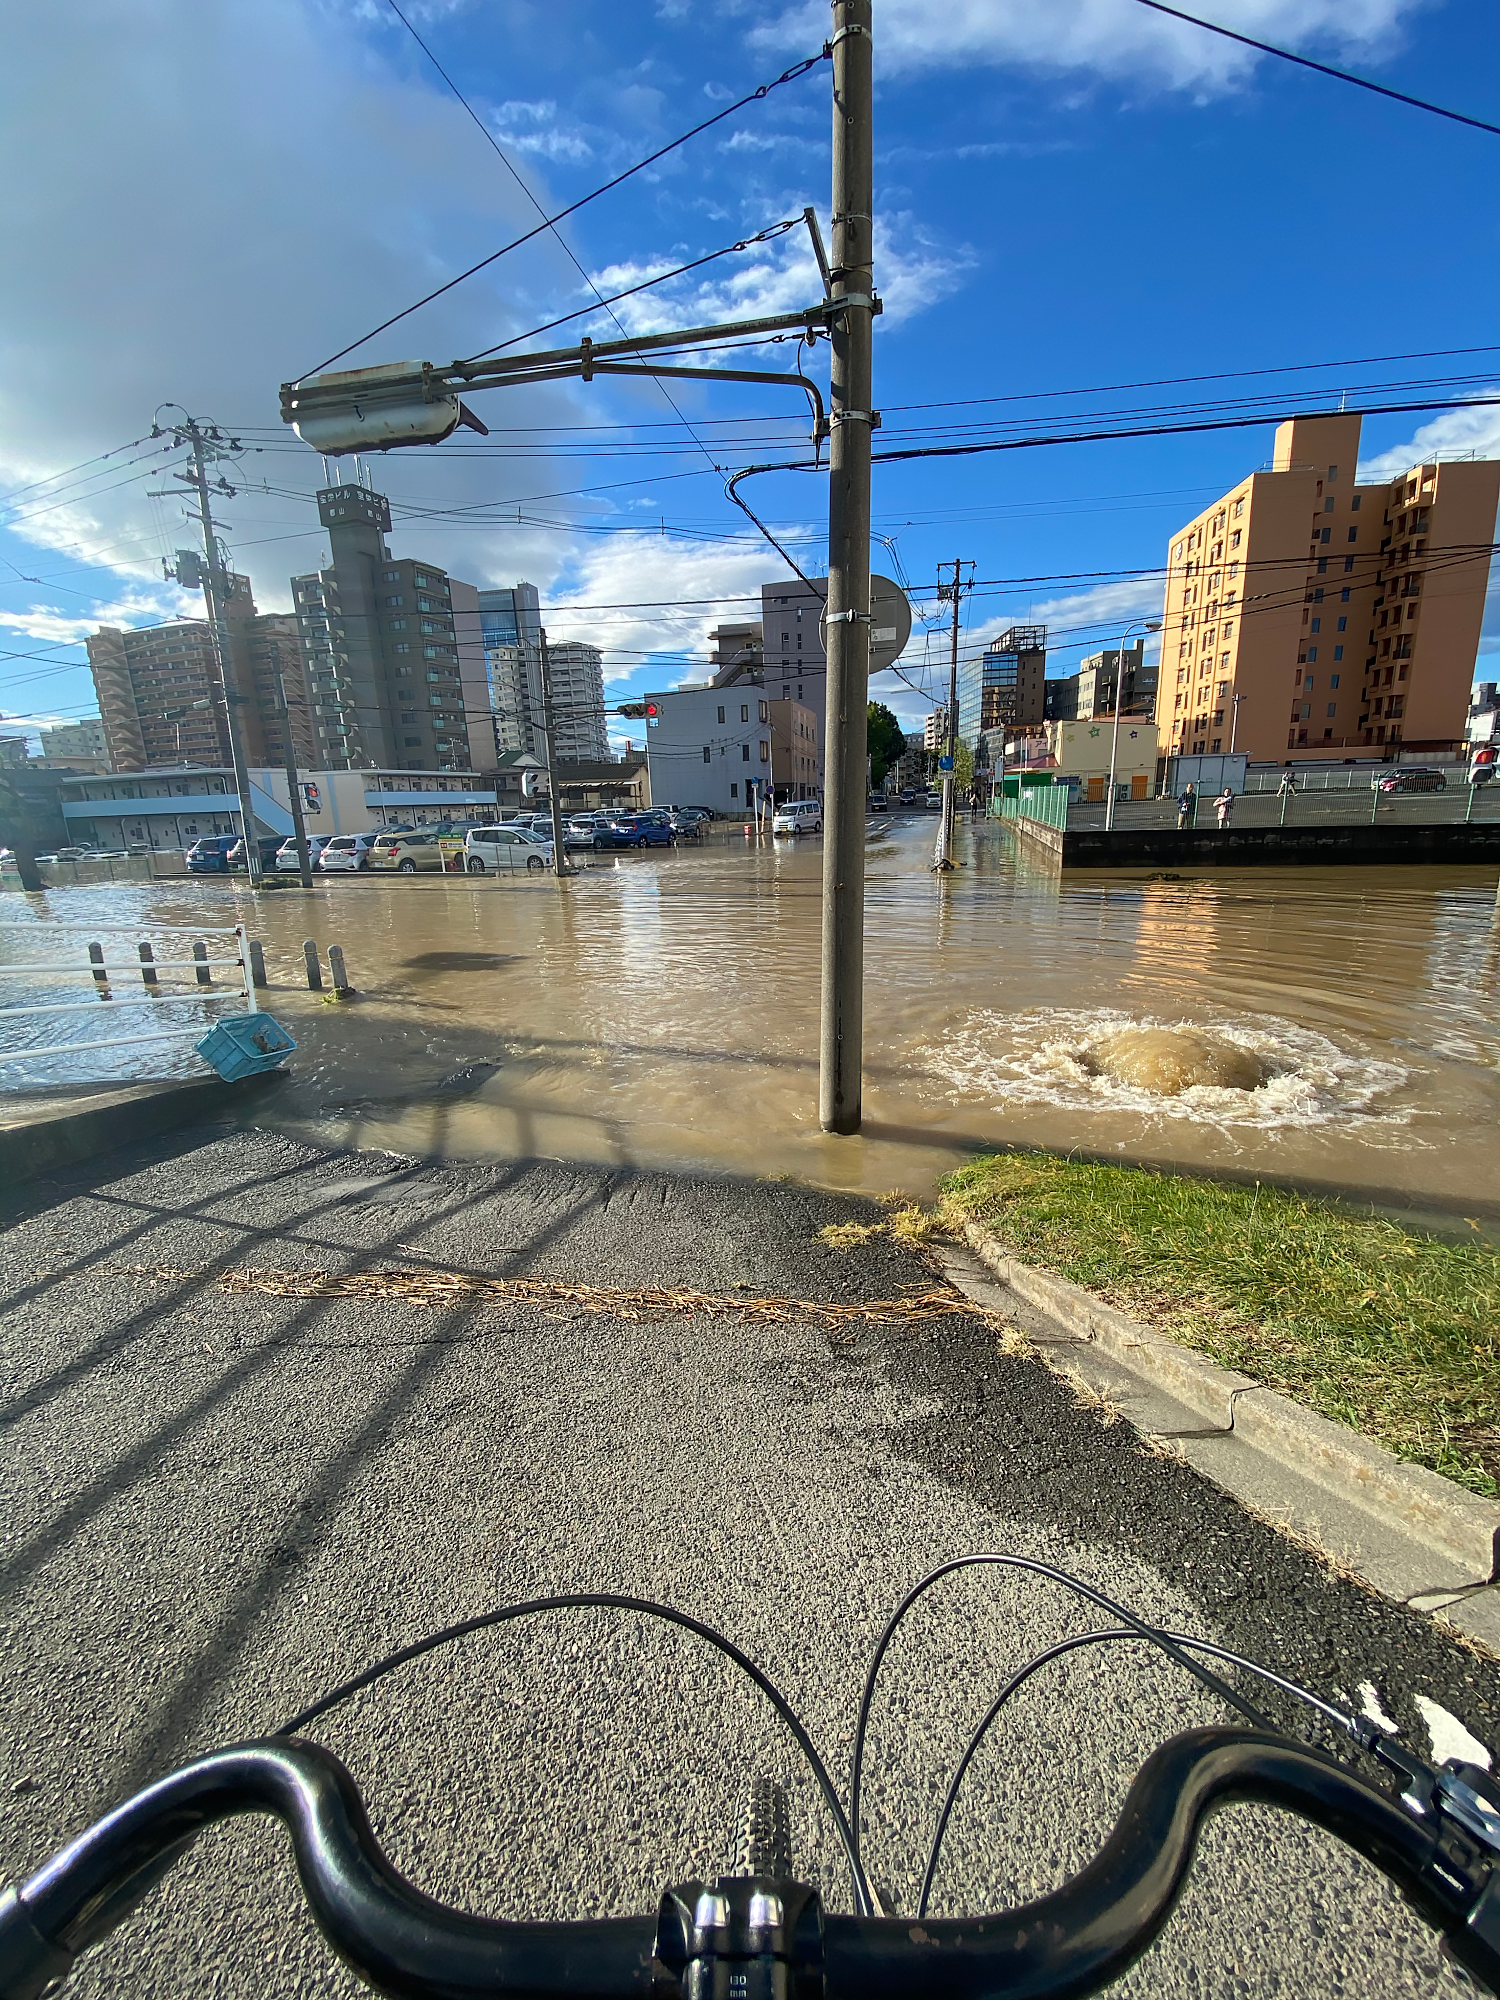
{"x":652,"y":710}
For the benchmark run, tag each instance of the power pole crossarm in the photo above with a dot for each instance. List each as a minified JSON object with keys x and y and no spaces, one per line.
{"x":851,"y":305}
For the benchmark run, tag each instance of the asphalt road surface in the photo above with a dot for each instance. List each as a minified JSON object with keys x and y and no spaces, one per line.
{"x":219,"y":1505}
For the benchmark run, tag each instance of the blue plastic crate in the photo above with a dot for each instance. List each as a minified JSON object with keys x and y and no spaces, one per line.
{"x":245,"y":1045}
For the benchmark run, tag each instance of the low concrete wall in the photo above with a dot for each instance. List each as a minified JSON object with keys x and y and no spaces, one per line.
{"x":1256,"y":846}
{"x":44,"y":1130}
{"x":1036,"y":834}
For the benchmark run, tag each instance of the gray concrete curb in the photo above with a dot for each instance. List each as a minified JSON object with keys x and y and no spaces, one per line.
{"x":1429,"y":1508}
{"x":42,"y":1135}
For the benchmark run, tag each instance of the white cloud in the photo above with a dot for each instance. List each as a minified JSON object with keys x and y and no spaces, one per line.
{"x":1468,"y":432}
{"x":533,"y":128}
{"x":649,"y":570}
{"x":50,"y":627}
{"x":215,"y":200}
{"x":1108,"y":37}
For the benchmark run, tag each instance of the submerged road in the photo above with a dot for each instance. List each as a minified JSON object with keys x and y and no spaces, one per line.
{"x":219,"y":1505}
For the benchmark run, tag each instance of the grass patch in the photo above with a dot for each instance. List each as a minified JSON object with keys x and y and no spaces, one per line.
{"x":1378,"y":1327}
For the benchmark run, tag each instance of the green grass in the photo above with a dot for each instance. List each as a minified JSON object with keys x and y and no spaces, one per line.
{"x":1394,"y":1333}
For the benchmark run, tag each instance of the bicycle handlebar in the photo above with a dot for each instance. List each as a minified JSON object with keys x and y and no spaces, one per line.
{"x":1068,"y":1943}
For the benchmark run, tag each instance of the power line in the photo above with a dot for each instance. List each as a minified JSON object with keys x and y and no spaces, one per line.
{"x":1323,"y":69}
{"x":787,"y":76}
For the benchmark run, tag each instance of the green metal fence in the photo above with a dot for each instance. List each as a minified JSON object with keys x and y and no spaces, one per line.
{"x":1045,"y":803}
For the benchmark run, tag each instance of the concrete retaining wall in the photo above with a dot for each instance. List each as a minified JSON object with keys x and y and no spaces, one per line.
{"x":1255,"y":846}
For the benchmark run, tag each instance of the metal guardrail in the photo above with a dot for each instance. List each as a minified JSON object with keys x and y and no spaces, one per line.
{"x":146,"y":968}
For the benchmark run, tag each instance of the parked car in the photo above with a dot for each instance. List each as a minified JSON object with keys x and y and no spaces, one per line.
{"x":633,"y":830}
{"x":406,"y":853}
{"x":1416,"y":778}
{"x":690,"y":824}
{"x":210,"y":856}
{"x":877,"y":802}
{"x":286,"y":854}
{"x":798,"y":816}
{"x":268,"y":845}
{"x":933,"y":802}
{"x":578,"y":833}
{"x":345,"y":853}
{"x":505,"y":849}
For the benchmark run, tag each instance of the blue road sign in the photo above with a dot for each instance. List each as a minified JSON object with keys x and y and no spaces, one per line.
{"x":945,"y":763}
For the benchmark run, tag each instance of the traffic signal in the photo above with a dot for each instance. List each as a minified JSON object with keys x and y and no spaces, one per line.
{"x":633,"y":709}
{"x":653,"y":715}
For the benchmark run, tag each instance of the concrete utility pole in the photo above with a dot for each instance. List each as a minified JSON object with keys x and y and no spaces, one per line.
{"x":944,"y":858}
{"x":214,"y":592}
{"x":559,"y":857}
{"x":841,"y":1029}
{"x":294,"y":785}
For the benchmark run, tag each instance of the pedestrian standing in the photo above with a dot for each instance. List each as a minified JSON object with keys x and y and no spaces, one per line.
{"x":1224,"y":806}
{"x":1187,"y":808}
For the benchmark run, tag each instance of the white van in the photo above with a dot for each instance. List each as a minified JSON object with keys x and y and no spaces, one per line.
{"x":798,"y":816}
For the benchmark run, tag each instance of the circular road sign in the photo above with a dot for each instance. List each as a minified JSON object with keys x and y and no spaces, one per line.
{"x":890,"y":623}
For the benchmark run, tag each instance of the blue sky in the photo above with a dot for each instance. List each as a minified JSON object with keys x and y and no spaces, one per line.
{"x":1070,"y":197}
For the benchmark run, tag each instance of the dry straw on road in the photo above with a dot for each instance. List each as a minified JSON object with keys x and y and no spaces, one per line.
{"x":841,"y":1318}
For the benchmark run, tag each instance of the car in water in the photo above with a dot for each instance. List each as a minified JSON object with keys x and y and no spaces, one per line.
{"x":689,"y":824}
{"x":345,"y":854}
{"x":286,"y":854}
{"x":503,"y":850}
{"x":798,"y":816}
{"x":633,"y":830}
{"x":1416,"y":778}
{"x":210,"y":856}
{"x":268,"y":846}
{"x":407,"y":853}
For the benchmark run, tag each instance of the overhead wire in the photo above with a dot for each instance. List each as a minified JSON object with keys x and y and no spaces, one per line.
{"x":1323,"y":69}
{"x":791,"y":75}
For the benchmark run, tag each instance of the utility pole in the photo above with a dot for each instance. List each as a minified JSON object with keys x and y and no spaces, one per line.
{"x":204,"y":448}
{"x":559,"y":855}
{"x":293,"y":784}
{"x":955,"y":590}
{"x":841,"y":1028}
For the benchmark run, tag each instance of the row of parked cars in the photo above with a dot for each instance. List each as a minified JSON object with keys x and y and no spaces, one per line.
{"x":521,"y":843}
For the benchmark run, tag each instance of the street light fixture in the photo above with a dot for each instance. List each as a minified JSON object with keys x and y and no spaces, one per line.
{"x":1146,"y":625}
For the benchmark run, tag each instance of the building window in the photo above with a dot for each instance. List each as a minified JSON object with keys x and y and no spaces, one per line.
{"x":1327,"y":535}
{"x":1317,"y":624}
{"x":744,"y":753}
{"x":1217,"y":743}
{"x":708,"y":755}
{"x":1312,"y":652}
{"x":1348,"y":564}
{"x":1333,"y":680}
{"x":744,"y":711}
{"x":1333,"y":473}
{"x":1354,"y":503}
{"x":1322,"y":566}
{"x":765,"y":751}
{"x":1333,"y":708}
{"x":1328,"y":506}
{"x":1344,"y":622}
{"x":734,"y":791}
{"x":393,"y":576}
{"x":765,"y":711}
{"x":1354,"y":534}
{"x":394,"y":603}
{"x":721,"y":715}
{"x":1343,"y":599}
{"x":412,"y":742}
{"x":1317,"y":596}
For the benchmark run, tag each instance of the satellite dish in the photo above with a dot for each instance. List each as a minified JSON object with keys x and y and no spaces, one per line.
{"x":890,"y":623}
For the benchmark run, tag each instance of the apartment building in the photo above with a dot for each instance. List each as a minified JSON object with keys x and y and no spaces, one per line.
{"x":1003,"y":686}
{"x":577,"y":672}
{"x":392,"y":651}
{"x":161,"y":699}
{"x":1309,"y":616}
{"x":935,"y":732}
{"x":511,"y":628}
{"x":83,"y":739}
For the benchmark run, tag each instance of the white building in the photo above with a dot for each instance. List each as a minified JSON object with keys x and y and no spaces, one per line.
{"x":577,"y":672}
{"x":710,"y":747}
{"x":84,"y":738}
{"x":935,"y":732}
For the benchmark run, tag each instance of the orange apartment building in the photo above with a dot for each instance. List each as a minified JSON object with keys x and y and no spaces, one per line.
{"x":1308,"y":617}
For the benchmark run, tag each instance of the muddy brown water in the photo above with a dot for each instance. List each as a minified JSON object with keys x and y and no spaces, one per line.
{"x":661,"y":1010}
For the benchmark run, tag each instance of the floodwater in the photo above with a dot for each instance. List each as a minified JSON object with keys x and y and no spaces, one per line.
{"x":662,"y":1009}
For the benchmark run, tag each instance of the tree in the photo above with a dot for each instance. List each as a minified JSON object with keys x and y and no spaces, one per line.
{"x":886,"y":741}
{"x":963,"y":767}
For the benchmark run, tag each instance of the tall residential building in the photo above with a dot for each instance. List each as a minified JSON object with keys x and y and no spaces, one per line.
{"x":1003,"y":687}
{"x":160,"y":697}
{"x":1310,"y":616}
{"x":935,"y":731}
{"x":577,"y":672}
{"x":511,"y":628}
{"x":393,"y":652}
